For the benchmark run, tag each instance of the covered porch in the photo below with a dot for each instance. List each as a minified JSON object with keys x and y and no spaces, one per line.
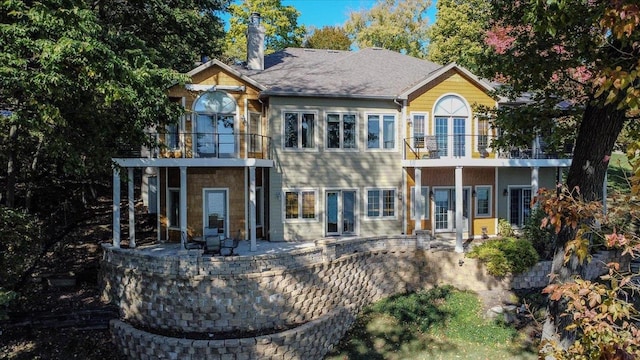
{"x":184,"y":214}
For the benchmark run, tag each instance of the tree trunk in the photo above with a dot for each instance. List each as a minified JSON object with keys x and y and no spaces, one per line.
{"x":33,"y":168}
{"x":597,"y":135}
{"x":11,"y":167}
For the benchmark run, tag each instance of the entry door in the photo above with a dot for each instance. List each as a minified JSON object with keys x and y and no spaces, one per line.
{"x":341,"y":212}
{"x":215,"y":221}
{"x":445,"y":209}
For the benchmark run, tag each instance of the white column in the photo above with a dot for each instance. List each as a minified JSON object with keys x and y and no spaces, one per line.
{"x":132,"y":210}
{"x":183,"y":205}
{"x":417,"y":198}
{"x":459,"y":204}
{"x":116,"y":207}
{"x":534,"y":180}
{"x":252,"y":207}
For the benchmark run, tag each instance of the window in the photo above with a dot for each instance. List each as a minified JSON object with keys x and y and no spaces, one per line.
{"x":255,"y":133}
{"x":214,"y":114}
{"x":423,"y":195}
{"x":381,"y":131}
{"x":341,"y":131}
{"x":299,"y":130}
{"x":173,"y":207}
{"x":483,"y":134}
{"x":450,"y":126}
{"x":172,"y":137}
{"x":381,"y":203}
{"x":519,"y":205}
{"x":419,"y":127}
{"x":483,"y":201}
{"x":300,"y":204}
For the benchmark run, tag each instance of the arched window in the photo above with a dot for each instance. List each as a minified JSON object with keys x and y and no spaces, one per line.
{"x":215,"y":113}
{"x":451,"y":122}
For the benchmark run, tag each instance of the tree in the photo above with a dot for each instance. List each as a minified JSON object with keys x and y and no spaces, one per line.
{"x":399,"y":25}
{"x":329,"y":37}
{"x":458,"y":32}
{"x":77,"y":86}
{"x":280,"y":23}
{"x":579,"y":61}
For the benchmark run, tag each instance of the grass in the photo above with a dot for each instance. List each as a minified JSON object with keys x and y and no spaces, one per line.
{"x":619,"y":173}
{"x":442,"y":323}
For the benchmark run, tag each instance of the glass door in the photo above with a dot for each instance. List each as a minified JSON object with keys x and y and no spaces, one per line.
{"x":215,"y":213}
{"x":341,"y":212}
{"x":225,"y":137}
{"x":445,"y":209}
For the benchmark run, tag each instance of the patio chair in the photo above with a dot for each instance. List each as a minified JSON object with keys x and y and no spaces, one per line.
{"x":190,"y":243}
{"x":212,"y":245}
{"x":431,"y":144}
{"x":235,"y":241}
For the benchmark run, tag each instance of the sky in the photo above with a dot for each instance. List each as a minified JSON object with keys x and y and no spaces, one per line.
{"x":319,"y":13}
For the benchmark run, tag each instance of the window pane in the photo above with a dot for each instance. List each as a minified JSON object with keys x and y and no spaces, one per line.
{"x":388,"y":203}
{"x":291,"y":205}
{"x":172,"y":137}
{"x":482,"y":198}
{"x":333,"y":131}
{"x":373,"y":203}
{"x":483,"y":133}
{"x":307,"y":131}
{"x":389,"y":132}
{"x":442,"y":135}
{"x":308,"y":205}
{"x":373,"y":132}
{"x":291,"y":130}
{"x":349,"y":131}
{"x":459,"y":137}
{"x":174,"y":208}
{"x":418,"y":131}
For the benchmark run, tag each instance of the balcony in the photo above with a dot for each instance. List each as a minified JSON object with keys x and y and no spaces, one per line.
{"x":431,"y":147}
{"x":200,"y":145}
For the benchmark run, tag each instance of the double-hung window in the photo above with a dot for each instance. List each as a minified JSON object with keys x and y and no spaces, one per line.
{"x":341,"y":131}
{"x":381,"y":203}
{"x":381,"y":131}
{"x":483,"y":201}
{"x":300,"y":204}
{"x":299,"y":130}
{"x":483,"y":134}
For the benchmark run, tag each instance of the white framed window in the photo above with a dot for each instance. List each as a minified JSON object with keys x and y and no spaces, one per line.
{"x":519,"y":205}
{"x":381,"y":131}
{"x":451,"y":126}
{"x":483,"y":202}
{"x":341,"y":131}
{"x":255,"y":133}
{"x":173,"y":208}
{"x":299,"y":130}
{"x":381,"y":203}
{"x":423,"y":195}
{"x":419,"y":129}
{"x":300,"y":204}
{"x":482,"y":134}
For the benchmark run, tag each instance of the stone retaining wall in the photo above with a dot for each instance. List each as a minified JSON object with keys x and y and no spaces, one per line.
{"x":314,"y":292}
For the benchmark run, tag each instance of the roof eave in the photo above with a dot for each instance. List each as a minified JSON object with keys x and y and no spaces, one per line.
{"x":439,"y":72}
{"x":227,"y":68}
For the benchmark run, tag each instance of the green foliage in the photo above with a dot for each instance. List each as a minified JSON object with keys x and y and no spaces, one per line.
{"x":458,"y":32}
{"x":6,"y":297}
{"x":505,"y":256}
{"x":398,"y":25}
{"x":20,"y":245}
{"x":504,"y":228}
{"x":329,"y":37}
{"x":280,"y":23}
{"x":419,"y":309}
{"x":543,"y":238}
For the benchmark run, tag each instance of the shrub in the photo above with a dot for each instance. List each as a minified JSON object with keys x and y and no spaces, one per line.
{"x":19,"y":247}
{"x":542,"y":239}
{"x":504,"y":228}
{"x":505,"y":256}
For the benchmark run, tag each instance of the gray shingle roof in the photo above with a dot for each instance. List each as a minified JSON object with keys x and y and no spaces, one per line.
{"x":367,"y":73}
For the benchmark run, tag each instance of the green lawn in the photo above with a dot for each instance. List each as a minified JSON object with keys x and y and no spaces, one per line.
{"x":442,"y":323}
{"x":619,"y":173}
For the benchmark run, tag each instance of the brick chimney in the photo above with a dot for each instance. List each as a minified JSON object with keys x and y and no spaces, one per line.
{"x":255,"y":43}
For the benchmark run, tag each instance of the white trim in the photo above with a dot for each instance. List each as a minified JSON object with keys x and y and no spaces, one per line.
{"x":356,"y":210}
{"x":191,"y":162}
{"x":426,"y":125}
{"x":475,"y":201}
{"x":450,"y":139}
{"x":226,"y":214}
{"x":299,"y":191}
{"x":226,"y":68}
{"x":200,"y":87}
{"x":509,"y":188}
{"x":381,"y":208}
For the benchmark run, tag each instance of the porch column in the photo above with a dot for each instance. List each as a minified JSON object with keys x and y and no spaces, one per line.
{"x":534,"y":180}
{"x":116,"y":207}
{"x":252,"y":208}
{"x":459,"y":204}
{"x":417,"y":198}
{"x":183,"y":206}
{"x":132,"y":213}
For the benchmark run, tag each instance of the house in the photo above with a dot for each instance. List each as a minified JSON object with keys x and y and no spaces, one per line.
{"x":304,"y":144}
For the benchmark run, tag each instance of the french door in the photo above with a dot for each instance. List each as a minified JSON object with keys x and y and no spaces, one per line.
{"x":214,"y":137}
{"x":445,"y":209}
{"x":519,"y":206}
{"x":340,"y":212}
{"x":450,"y":136}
